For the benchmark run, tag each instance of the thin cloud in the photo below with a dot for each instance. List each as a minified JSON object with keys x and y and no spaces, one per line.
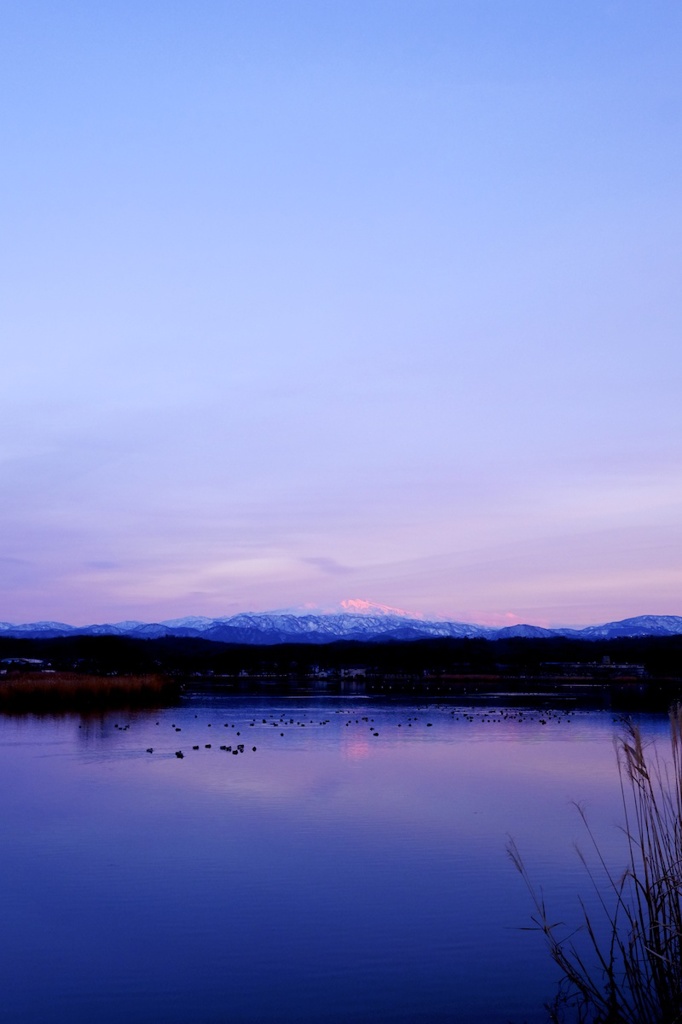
{"x":328,"y":566}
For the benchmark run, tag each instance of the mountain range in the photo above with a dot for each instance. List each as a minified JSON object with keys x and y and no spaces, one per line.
{"x":371,"y":623}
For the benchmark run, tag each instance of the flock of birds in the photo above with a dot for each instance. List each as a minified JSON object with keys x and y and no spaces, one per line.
{"x":284,"y":723}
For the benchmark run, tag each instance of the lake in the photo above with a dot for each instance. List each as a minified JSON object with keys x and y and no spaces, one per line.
{"x":352,"y":868}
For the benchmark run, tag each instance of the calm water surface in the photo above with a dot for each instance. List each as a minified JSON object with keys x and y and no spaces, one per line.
{"x":331,"y":875}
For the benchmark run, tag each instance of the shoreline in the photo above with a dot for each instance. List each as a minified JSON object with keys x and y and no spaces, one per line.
{"x":55,"y":692}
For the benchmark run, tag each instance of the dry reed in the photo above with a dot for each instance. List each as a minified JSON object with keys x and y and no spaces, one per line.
{"x":633,"y":975}
{"x":70,"y":690}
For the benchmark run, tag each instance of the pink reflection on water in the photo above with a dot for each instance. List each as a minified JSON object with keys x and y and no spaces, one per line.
{"x":355,"y":748}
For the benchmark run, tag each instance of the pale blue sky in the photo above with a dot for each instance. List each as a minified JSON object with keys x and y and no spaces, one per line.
{"x":308,"y":301}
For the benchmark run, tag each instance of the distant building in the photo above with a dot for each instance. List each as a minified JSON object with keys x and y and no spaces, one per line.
{"x":604,"y":669}
{"x":23,"y":665}
{"x":22,"y":661}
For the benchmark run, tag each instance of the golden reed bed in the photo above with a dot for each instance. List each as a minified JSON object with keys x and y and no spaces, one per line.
{"x":73,"y":691}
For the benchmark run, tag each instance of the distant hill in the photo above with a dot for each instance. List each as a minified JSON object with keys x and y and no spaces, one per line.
{"x":373,"y":624}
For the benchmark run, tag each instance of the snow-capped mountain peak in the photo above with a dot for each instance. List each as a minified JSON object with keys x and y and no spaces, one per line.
{"x":349,"y":606}
{"x":354,"y":619}
{"x":356,"y":606}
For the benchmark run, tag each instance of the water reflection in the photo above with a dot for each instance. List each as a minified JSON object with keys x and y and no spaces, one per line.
{"x":351,"y":868}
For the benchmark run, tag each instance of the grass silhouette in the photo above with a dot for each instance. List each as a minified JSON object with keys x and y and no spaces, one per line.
{"x":626,"y":967}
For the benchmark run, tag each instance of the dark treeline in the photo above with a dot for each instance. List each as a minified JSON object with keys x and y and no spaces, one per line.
{"x":653,"y":658}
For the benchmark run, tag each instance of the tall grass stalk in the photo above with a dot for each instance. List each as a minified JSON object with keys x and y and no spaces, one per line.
{"x":625,"y":967}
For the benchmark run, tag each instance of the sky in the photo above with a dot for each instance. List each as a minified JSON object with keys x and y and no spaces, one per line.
{"x":310,"y":300}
